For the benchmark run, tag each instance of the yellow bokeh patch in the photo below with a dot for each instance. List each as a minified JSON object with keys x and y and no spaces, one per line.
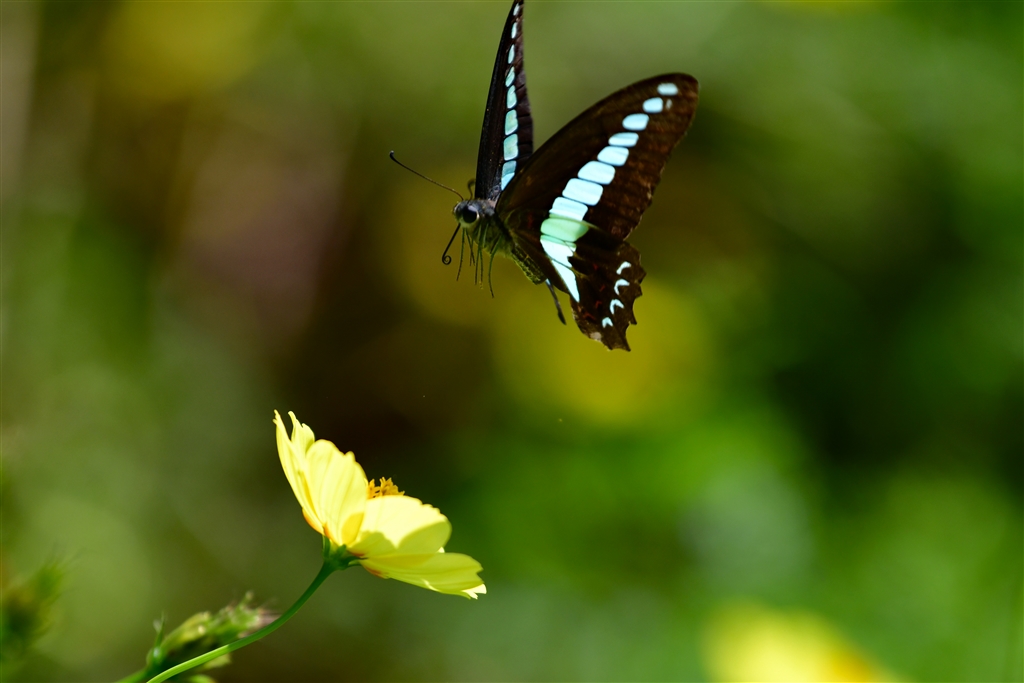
{"x":162,"y":51}
{"x":752,"y":642}
{"x":555,"y":368}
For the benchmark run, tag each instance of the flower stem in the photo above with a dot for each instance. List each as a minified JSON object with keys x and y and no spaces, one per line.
{"x":326,"y":570}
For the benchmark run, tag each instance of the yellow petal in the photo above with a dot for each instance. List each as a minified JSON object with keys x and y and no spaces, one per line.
{"x":293,"y":461}
{"x":302,"y":435}
{"x":400,"y":525}
{"x":337,"y":485}
{"x":451,"y":573}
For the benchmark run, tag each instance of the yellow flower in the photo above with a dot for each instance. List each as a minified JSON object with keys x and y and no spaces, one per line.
{"x":392,"y":535}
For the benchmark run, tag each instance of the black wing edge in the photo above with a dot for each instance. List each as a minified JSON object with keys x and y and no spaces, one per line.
{"x":490,"y":157}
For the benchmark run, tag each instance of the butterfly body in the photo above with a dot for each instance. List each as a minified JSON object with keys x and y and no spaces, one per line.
{"x":563,"y":213}
{"x":484,"y":230}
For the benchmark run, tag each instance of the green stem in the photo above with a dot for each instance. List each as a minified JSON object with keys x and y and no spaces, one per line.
{"x":325,"y":571}
{"x":136,"y":677}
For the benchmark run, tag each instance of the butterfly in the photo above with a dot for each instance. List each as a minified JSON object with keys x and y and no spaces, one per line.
{"x":563,"y":213}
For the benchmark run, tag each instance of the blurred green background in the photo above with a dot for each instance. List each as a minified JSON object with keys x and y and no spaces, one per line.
{"x":810,"y":465}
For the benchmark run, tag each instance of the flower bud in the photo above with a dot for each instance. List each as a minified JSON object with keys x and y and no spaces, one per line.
{"x":204,"y":632}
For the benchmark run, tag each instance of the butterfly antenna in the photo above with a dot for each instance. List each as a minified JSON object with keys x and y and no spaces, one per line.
{"x":445,"y":258}
{"x":455,"y":192}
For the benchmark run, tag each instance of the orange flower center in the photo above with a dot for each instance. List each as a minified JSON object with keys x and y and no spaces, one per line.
{"x":386,"y":488}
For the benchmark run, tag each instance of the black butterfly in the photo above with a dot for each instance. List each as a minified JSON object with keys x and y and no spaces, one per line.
{"x":563,"y":214}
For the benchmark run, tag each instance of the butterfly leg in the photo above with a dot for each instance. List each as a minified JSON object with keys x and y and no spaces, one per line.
{"x":558,"y":306}
{"x":480,"y":262}
{"x":490,"y":269}
{"x":462,"y":252}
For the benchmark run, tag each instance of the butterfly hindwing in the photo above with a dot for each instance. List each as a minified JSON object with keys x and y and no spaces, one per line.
{"x":601,"y":270}
{"x":506,"y":140}
{"x":608,"y":282}
{"x":574,"y":202}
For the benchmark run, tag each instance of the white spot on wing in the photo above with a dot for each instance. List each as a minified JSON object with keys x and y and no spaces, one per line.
{"x":668,"y":89}
{"x":620,"y":283}
{"x":625,"y":264}
{"x":569,"y":278}
{"x":511,"y":99}
{"x":568,"y":208}
{"x":635,"y":121}
{"x":623,"y":139}
{"x":654,"y":105}
{"x":511,"y":147}
{"x":507,"y":171}
{"x":557,"y":250}
{"x":607,"y":322}
{"x":583,"y":191}
{"x":613,"y":304}
{"x":511,"y":122}
{"x":616,"y":156}
{"x":515,"y":10}
{"x":597,"y":172}
{"x":511,"y":53}
{"x":510,"y":77}
{"x":563,"y":230}
{"x":558,"y":253}
{"x":515,"y":30}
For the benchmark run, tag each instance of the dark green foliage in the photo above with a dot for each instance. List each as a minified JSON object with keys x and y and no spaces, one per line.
{"x":26,"y":611}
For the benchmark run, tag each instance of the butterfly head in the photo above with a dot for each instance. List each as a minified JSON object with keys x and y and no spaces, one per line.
{"x":472,"y":212}
{"x":466,"y":213}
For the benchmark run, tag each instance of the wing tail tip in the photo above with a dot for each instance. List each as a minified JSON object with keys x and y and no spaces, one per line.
{"x":611,"y":341}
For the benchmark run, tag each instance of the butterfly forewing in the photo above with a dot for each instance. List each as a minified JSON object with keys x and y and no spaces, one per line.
{"x":631,"y":133}
{"x":506,"y":140}
{"x":574,"y":202}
